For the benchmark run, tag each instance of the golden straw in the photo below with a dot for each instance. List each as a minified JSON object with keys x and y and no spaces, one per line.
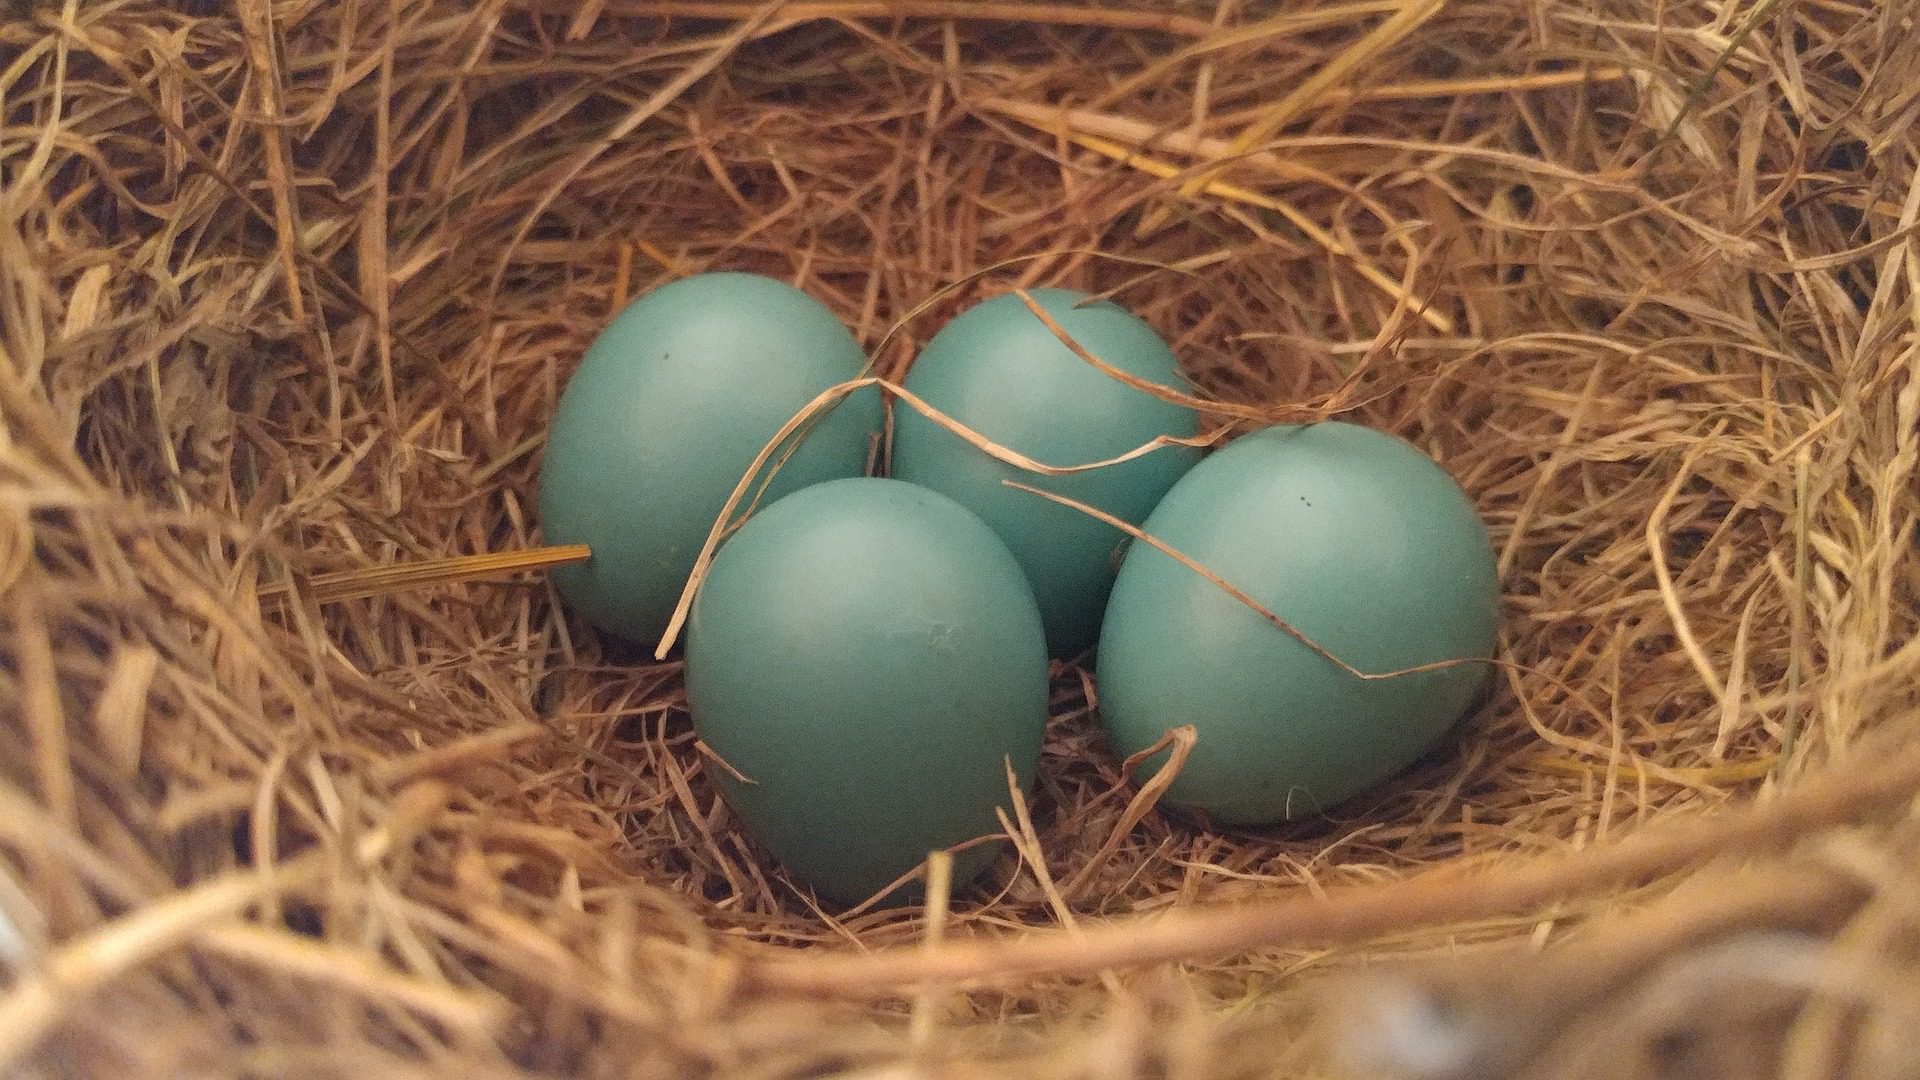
{"x":332,"y":588}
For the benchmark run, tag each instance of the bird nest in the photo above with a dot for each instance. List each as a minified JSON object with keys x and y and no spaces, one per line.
{"x":290,"y":290}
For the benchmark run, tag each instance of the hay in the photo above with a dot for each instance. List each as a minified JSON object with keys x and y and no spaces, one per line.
{"x":290,"y":290}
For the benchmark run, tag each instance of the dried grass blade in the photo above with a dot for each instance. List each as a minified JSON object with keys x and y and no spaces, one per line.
{"x":1360,"y":913}
{"x":1379,"y":278}
{"x":1376,"y":41}
{"x":1234,"y":591}
{"x":354,"y":972}
{"x":1305,"y":224}
{"x":360,"y":584}
{"x":1180,"y":741}
{"x":827,"y":399}
{"x":1040,"y":14}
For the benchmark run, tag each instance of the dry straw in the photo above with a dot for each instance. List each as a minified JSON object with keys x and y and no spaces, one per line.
{"x":288,"y":291}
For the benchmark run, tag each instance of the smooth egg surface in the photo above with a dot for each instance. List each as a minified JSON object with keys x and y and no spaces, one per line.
{"x":868,"y":654}
{"x":663,"y":416}
{"x":1360,"y":542}
{"x":999,"y":370}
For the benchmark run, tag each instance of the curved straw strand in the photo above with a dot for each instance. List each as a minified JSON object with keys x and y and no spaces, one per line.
{"x":1234,"y":591}
{"x":1164,"y":393}
{"x":830,"y":397}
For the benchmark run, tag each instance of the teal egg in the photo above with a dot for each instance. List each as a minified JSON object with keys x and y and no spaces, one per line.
{"x":1360,"y":542}
{"x":868,"y":654}
{"x":1000,"y":371}
{"x":666,"y":412}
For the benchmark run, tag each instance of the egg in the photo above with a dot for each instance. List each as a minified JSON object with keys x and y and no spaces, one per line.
{"x":866,"y":658}
{"x":1357,"y":540}
{"x":664,"y":415}
{"x":999,"y":370}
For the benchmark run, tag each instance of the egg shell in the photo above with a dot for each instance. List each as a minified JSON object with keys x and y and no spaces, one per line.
{"x":665,"y":413}
{"x":999,"y":370}
{"x":868,"y":653}
{"x":1360,"y":542}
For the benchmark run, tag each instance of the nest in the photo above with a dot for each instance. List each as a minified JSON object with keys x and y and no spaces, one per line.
{"x":291,"y":289}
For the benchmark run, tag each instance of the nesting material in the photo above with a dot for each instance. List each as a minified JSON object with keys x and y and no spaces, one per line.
{"x":290,"y":290}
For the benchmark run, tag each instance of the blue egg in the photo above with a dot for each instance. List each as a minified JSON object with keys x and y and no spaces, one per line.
{"x":664,"y":415}
{"x":1360,"y":542}
{"x":1003,"y":373}
{"x":868,"y":656}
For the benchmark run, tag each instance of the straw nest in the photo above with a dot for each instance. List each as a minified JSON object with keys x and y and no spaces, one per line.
{"x":289,"y":289}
